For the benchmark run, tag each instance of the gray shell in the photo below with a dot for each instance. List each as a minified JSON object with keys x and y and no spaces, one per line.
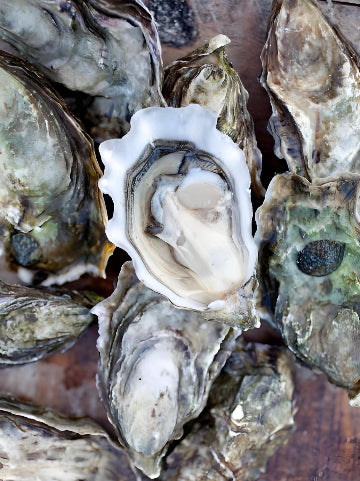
{"x":37,"y":322}
{"x":309,"y":245}
{"x":206,"y":77}
{"x":108,"y":49}
{"x":312,"y":77}
{"x":157,"y":364}
{"x":42,"y":445}
{"x":248,"y":417}
{"x":51,"y":211}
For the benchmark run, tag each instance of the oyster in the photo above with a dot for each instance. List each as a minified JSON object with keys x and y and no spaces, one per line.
{"x":51,"y":212}
{"x":207,"y":78}
{"x":108,"y":49}
{"x":42,"y":445}
{"x":182,"y":210}
{"x":156,"y":366}
{"x":312,"y":77}
{"x":38,"y":322}
{"x":309,"y":245}
{"x":248,"y":417}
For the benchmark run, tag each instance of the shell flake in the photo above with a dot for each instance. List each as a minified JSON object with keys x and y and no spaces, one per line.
{"x":157,"y":364}
{"x":312,"y":77}
{"x":182,"y":210}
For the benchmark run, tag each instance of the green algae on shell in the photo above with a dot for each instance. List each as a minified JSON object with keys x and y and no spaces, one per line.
{"x":309,"y":267}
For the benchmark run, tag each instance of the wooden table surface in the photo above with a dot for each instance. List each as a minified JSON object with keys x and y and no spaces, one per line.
{"x":326,"y":444}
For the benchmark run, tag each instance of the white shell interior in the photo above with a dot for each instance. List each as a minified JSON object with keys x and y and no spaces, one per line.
{"x":203,"y":248}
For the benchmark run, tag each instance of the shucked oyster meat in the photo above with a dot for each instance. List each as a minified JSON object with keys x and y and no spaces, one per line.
{"x":108,"y":49}
{"x":51,"y":212}
{"x":38,"y":322}
{"x":41,"y":445}
{"x":207,"y":78}
{"x":312,"y":77}
{"x":182,"y":210}
{"x":309,"y":265}
{"x":248,"y":417}
{"x":157,"y":364}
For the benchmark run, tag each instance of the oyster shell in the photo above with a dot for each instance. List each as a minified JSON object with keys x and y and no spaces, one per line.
{"x":42,"y":445}
{"x":207,"y":78}
{"x":312,"y":77}
{"x":157,"y":364}
{"x":51,"y":212}
{"x":309,"y":245}
{"x":108,"y":49}
{"x":248,"y":417}
{"x":182,"y":210}
{"x":38,"y":322}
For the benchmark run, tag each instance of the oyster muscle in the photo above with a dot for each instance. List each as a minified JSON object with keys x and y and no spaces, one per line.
{"x":37,"y":322}
{"x":182,"y":210}
{"x":207,"y":78}
{"x":249,"y":415}
{"x":157,"y":364}
{"x":51,"y":212}
{"x":312,"y":77}
{"x":108,"y":49}
{"x":42,"y":445}
{"x":309,"y":260}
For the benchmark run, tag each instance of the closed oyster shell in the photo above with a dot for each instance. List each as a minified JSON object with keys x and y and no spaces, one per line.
{"x":207,"y":78}
{"x":108,"y":49}
{"x":248,"y":417}
{"x":51,"y":211}
{"x":38,"y":322}
{"x":157,"y":364}
{"x":312,"y":77}
{"x":182,"y":210}
{"x":309,"y":243}
{"x":42,"y":445}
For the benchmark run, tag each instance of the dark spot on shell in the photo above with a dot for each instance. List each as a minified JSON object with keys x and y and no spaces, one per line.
{"x":25,"y":248}
{"x":175,"y":19}
{"x":320,"y":258}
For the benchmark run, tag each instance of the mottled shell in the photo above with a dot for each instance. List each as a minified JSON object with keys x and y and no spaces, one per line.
{"x":312,"y":77}
{"x":206,"y":77}
{"x":182,"y":210}
{"x":38,"y":322}
{"x":40,"y":444}
{"x":309,"y":260}
{"x":157,"y":364}
{"x":108,"y":49}
{"x":248,"y":417}
{"x":51,"y":211}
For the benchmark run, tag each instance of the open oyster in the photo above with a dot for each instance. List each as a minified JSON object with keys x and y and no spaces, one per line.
{"x":182,"y":210}
{"x":42,"y":445}
{"x":248,"y":417}
{"x":312,"y":77}
{"x":309,"y":260}
{"x":157,"y":364}
{"x":108,"y":49}
{"x":51,"y":212}
{"x":37,"y":322}
{"x":207,"y":78}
